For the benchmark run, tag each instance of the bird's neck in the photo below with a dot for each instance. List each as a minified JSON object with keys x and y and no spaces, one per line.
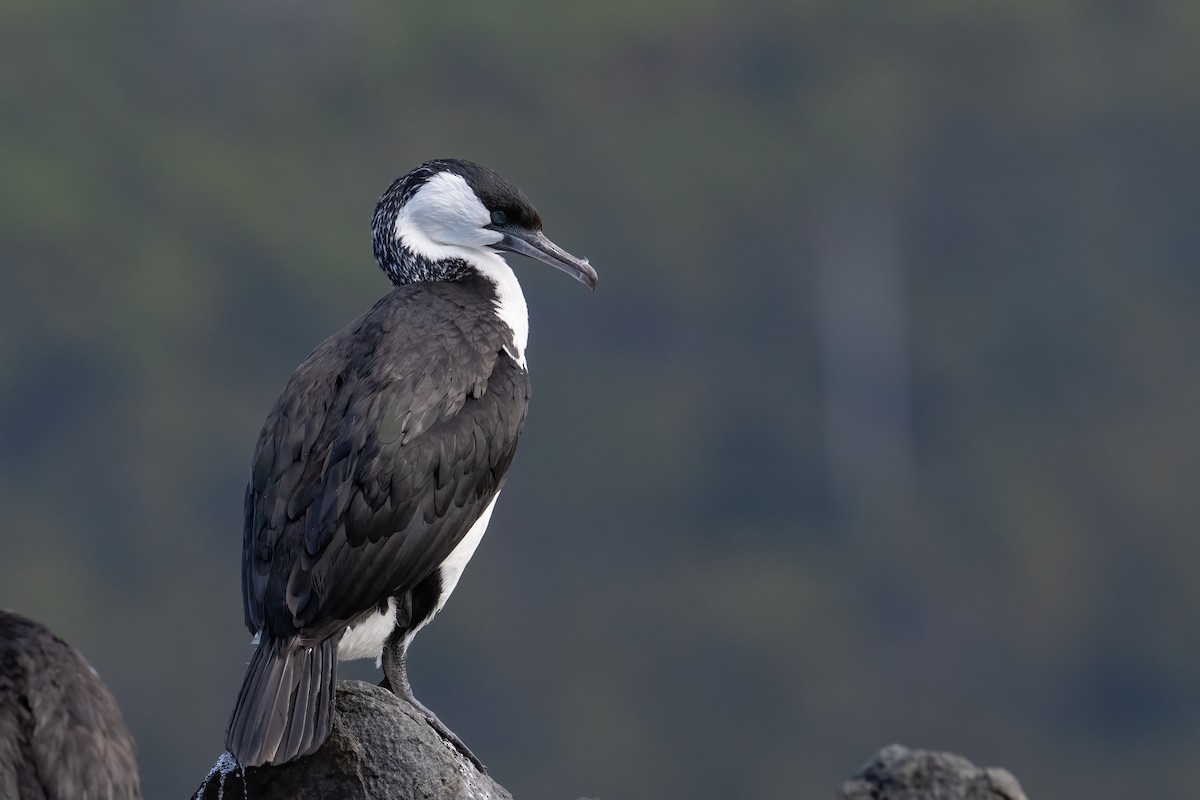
{"x":403,"y":266}
{"x":510,"y":300}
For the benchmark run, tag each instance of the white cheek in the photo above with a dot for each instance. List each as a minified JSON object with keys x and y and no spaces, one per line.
{"x":444,"y":214}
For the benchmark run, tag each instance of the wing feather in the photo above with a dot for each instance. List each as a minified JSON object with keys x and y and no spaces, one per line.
{"x":376,"y":460}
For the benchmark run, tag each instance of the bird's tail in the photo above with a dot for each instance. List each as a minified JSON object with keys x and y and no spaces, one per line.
{"x":285,"y":708}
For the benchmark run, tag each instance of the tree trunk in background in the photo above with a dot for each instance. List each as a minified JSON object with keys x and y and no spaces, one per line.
{"x":863,"y":317}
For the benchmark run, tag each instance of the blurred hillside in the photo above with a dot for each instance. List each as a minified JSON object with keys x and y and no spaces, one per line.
{"x":880,"y":427}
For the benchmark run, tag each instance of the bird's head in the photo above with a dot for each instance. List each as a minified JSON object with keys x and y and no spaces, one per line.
{"x":446,"y":219}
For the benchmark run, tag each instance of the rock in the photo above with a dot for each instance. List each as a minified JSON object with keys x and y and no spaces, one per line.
{"x":897,"y":773}
{"x":380,"y":748}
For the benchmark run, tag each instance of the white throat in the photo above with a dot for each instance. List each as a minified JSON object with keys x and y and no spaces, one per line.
{"x":444,"y":220}
{"x":510,"y":300}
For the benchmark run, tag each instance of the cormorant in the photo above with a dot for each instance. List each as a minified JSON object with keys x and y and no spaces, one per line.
{"x":61,"y":733}
{"x":376,"y":472}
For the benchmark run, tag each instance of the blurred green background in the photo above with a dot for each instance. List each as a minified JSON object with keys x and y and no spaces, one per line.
{"x":882,"y":425}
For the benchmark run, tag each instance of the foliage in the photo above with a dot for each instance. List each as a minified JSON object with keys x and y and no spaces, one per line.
{"x":879,"y":427}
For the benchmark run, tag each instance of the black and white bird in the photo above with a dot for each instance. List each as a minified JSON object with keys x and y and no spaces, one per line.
{"x":376,"y":472}
{"x":61,"y":732}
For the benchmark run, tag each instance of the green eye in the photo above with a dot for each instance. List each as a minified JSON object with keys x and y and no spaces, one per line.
{"x":499,"y":218}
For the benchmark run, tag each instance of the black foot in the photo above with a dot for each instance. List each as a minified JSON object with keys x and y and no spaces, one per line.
{"x":447,"y":734}
{"x":395,"y":680}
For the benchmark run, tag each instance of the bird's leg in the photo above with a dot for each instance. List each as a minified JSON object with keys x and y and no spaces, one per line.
{"x":395,"y":678}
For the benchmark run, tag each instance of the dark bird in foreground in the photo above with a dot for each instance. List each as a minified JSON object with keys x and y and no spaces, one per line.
{"x":376,"y":473}
{"x":61,"y":734}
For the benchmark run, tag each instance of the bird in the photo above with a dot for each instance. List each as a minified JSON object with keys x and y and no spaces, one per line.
{"x":376,"y":472}
{"x":61,"y":732}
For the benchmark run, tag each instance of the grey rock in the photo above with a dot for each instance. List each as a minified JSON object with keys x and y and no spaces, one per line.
{"x":897,"y":773}
{"x":380,"y":748}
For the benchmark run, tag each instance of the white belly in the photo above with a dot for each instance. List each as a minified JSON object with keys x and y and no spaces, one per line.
{"x":452,"y":568}
{"x":365,"y":640}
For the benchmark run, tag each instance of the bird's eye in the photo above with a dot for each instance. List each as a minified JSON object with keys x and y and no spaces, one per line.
{"x":499,"y":218}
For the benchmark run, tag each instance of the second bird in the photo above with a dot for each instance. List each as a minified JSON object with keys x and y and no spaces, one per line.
{"x":376,"y":472}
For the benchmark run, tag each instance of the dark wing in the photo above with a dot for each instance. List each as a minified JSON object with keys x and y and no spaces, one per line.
{"x":376,"y":460}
